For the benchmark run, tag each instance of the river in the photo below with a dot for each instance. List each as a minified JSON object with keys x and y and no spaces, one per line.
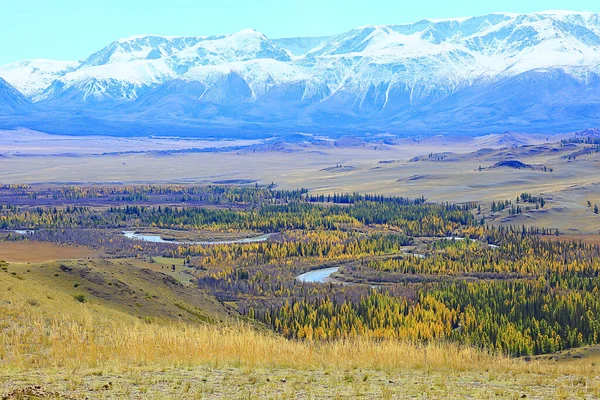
{"x":24,"y":232}
{"x":317,"y":275}
{"x":159,"y":239}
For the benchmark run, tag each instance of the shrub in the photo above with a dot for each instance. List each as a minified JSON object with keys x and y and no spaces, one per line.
{"x":80,"y":298}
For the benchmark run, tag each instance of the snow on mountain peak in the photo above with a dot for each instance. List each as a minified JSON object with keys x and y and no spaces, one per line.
{"x":245,"y":45}
{"x":31,"y":77}
{"x":424,"y":57}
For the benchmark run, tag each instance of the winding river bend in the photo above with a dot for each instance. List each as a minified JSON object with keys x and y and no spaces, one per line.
{"x":317,"y":275}
{"x":322,"y":275}
{"x":158,"y":239}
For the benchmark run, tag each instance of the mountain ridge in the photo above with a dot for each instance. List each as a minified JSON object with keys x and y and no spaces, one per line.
{"x":11,"y":100}
{"x":425,"y":77}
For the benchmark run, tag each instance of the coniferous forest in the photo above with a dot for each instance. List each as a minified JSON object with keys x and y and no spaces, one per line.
{"x":403,"y":268}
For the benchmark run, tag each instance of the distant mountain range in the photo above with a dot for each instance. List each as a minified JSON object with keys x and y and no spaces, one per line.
{"x":521,"y":72}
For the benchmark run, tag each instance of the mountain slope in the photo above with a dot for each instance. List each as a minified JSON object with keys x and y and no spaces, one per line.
{"x":125,"y":68}
{"x":500,"y":71}
{"x":300,"y":46}
{"x":11,"y":100}
{"x":32,"y":77}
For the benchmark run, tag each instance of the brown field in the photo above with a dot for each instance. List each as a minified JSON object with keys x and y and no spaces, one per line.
{"x":589,"y":239}
{"x":35,"y":252}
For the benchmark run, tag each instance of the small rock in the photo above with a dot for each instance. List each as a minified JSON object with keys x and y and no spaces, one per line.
{"x":523,"y":396}
{"x":283,"y":380}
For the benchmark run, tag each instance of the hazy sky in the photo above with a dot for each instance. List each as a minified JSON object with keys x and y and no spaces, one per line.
{"x":73,"y":29}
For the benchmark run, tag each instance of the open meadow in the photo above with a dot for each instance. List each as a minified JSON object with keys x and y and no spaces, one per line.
{"x":183,"y":291}
{"x":440,"y":169}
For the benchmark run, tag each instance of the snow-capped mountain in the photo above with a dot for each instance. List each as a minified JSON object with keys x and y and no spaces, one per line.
{"x":32,"y":77}
{"x":500,"y":71}
{"x":126,"y":68}
{"x":300,"y":46}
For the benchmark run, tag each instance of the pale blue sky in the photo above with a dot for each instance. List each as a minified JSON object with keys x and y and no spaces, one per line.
{"x":73,"y":29}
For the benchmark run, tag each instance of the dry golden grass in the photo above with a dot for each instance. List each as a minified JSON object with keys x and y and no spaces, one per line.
{"x":33,"y":337}
{"x":76,"y":349}
{"x":132,"y":287}
{"x":79,"y":352}
{"x":43,"y":326}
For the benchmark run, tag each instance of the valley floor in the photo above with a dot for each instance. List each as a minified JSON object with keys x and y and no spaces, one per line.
{"x":442,"y":169}
{"x":75,"y":323}
{"x":207,"y":382}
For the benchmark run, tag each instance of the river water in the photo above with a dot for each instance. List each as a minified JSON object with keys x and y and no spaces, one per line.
{"x":159,"y":239}
{"x":23,"y":232}
{"x":317,"y":276}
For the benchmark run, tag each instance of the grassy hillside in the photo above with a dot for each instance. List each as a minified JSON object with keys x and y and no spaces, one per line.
{"x":135,"y":288}
{"x":160,"y":339}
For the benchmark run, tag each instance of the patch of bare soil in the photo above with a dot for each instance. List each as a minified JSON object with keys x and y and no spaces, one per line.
{"x":35,"y":252}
